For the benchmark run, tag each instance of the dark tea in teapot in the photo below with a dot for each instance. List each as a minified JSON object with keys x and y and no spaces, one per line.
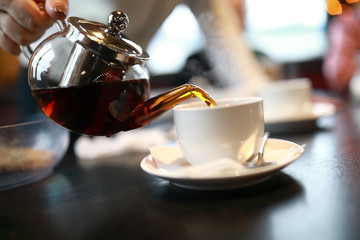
{"x":108,"y":108}
{"x":96,"y":109}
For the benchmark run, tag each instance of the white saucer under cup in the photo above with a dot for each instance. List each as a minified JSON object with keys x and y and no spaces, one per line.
{"x":167,"y":162}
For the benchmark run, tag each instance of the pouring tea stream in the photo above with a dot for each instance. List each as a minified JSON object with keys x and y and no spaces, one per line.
{"x":90,"y":78}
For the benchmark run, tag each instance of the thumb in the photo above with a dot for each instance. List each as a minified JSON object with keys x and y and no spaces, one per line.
{"x":57,"y":9}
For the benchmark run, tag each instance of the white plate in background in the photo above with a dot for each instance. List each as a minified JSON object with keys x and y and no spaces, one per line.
{"x":300,"y":123}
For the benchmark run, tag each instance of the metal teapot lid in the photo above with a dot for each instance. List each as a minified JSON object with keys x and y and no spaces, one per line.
{"x":107,"y":39}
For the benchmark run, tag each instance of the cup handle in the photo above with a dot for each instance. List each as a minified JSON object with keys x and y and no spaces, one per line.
{"x":61,"y":25}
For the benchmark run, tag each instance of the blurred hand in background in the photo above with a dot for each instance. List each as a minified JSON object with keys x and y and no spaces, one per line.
{"x":340,"y":62}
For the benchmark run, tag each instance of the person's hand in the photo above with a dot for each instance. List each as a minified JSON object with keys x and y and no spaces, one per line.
{"x":23,"y":22}
{"x":340,"y":62}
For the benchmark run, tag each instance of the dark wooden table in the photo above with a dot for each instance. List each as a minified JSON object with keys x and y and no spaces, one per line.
{"x":317,"y":197}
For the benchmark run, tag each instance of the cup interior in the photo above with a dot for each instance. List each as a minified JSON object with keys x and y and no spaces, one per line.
{"x":222,"y":103}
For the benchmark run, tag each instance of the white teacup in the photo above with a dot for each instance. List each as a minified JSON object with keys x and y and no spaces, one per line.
{"x":233,"y":129}
{"x":287,"y":99}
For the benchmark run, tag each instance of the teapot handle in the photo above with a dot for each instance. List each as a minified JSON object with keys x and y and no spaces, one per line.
{"x":27,"y":51}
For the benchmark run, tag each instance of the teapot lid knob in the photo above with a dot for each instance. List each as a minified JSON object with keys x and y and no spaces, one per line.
{"x":118,"y":22}
{"x":107,"y":39}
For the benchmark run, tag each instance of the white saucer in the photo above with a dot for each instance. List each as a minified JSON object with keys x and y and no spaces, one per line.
{"x":170,"y":165}
{"x":301,"y":122}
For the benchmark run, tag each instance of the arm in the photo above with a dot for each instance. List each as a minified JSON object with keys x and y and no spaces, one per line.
{"x":222,"y":24}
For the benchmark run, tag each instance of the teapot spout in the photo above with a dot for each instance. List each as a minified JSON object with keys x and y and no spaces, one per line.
{"x":158,"y":105}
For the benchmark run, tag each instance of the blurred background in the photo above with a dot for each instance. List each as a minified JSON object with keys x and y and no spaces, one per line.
{"x":289,"y":39}
{"x":288,"y":36}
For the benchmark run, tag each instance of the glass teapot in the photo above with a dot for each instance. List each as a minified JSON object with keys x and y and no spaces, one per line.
{"x":90,"y":78}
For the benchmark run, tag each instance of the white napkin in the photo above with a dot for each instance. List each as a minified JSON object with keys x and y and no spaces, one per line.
{"x":139,"y":140}
{"x":169,"y":159}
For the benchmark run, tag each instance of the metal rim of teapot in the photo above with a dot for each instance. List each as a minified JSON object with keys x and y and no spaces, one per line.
{"x":117,"y":22}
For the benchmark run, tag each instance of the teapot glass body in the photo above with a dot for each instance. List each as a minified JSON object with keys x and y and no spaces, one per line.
{"x":95,"y":82}
{"x":81,"y":90}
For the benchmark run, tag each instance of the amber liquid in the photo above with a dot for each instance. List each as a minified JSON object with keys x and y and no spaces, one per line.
{"x":107,"y":108}
{"x":96,"y":109}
